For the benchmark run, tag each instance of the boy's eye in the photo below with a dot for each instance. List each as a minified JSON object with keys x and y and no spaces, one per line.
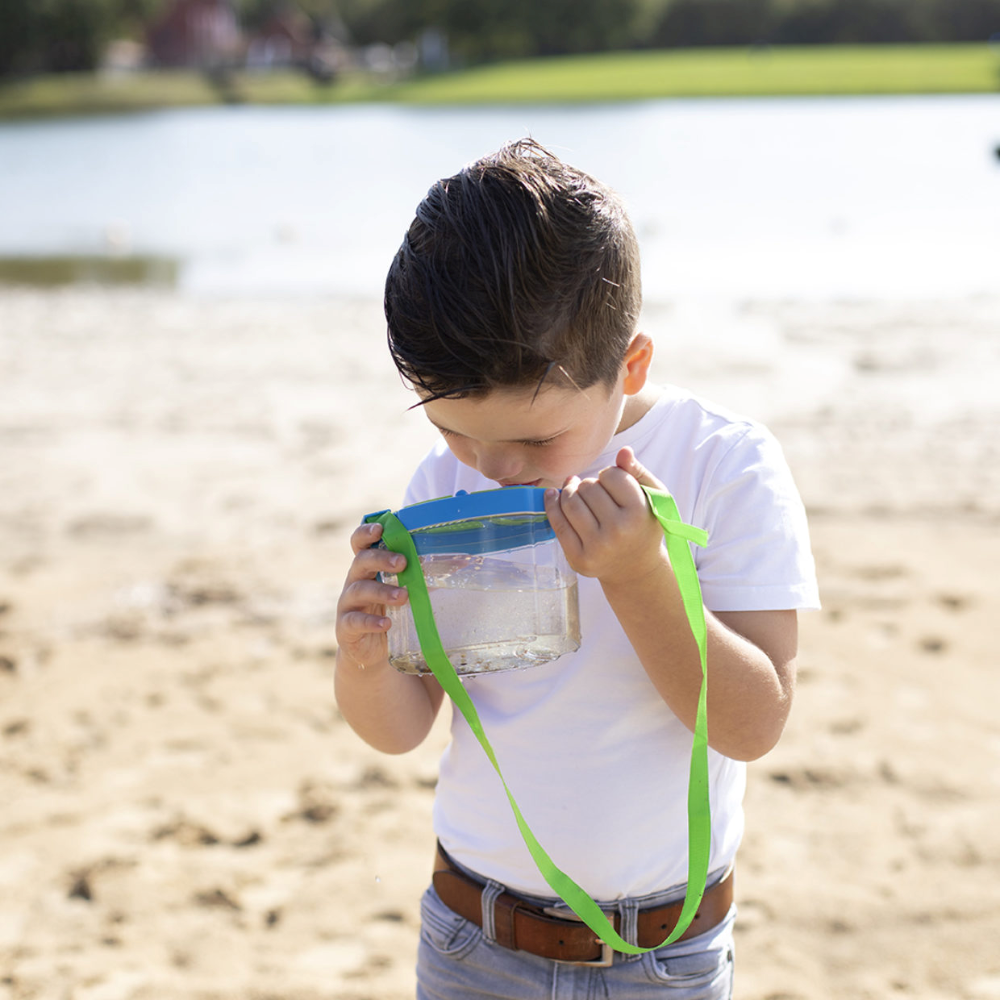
{"x":528,"y":444}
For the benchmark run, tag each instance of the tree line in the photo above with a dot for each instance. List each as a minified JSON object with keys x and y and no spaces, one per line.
{"x":59,"y":35}
{"x":484,"y":30}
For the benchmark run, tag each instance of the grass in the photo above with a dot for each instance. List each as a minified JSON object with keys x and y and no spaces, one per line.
{"x":50,"y":271}
{"x":904,"y":69}
{"x":623,"y":76}
{"x":99,"y":93}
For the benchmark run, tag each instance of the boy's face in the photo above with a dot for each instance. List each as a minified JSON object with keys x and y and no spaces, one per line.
{"x":518,"y":438}
{"x":514,"y":441}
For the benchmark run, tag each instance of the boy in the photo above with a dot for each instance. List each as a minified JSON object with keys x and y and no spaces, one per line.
{"x":512,"y":309}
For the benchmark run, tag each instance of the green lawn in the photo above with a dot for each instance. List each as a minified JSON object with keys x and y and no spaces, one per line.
{"x":904,"y":69}
{"x":889,"y":69}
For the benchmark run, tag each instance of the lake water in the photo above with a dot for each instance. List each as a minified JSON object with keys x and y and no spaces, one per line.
{"x":791,"y":198}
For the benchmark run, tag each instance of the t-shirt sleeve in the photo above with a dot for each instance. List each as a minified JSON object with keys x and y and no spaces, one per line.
{"x":758,"y":556}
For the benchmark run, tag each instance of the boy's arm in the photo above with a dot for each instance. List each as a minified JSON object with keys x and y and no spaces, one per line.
{"x":392,"y":712}
{"x":751,"y":654}
{"x":751,"y":663}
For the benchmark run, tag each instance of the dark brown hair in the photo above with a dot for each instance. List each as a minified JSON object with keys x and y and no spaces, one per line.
{"x":518,"y":270}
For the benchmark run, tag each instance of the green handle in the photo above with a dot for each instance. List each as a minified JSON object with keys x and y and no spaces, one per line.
{"x":677,"y":535}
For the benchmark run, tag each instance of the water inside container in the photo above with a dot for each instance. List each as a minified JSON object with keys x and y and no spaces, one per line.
{"x":493,"y":612}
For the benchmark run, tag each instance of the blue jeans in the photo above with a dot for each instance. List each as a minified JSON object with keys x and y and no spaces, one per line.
{"x":457,"y":960}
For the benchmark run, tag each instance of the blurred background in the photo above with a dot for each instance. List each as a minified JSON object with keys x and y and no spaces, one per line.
{"x":199,"y":200}
{"x":302,"y":105}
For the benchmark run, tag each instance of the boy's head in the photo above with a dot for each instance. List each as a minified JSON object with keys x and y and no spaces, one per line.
{"x":520,"y":271}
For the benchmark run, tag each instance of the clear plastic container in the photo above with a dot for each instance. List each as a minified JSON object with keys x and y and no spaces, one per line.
{"x":502,"y":593}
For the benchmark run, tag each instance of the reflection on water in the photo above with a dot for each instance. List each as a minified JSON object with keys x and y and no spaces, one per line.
{"x":804,"y":198}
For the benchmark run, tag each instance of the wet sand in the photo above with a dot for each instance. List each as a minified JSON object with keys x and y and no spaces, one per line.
{"x":187,"y":815}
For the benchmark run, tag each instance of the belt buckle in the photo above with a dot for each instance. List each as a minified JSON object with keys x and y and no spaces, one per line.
{"x":607,"y":956}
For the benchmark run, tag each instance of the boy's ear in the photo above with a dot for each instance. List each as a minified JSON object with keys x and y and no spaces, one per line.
{"x":638,"y":358}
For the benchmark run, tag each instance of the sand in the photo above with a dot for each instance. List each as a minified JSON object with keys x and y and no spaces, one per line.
{"x":186,"y":815}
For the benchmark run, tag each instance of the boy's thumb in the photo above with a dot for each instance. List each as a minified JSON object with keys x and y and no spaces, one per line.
{"x":630,"y":464}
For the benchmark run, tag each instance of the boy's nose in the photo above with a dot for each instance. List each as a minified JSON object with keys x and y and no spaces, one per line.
{"x":498,"y":463}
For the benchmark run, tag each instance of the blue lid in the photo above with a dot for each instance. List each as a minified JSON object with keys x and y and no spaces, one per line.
{"x":475,"y":523}
{"x":463,"y":505}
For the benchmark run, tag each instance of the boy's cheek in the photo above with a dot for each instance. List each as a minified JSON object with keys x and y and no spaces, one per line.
{"x":464,"y":455}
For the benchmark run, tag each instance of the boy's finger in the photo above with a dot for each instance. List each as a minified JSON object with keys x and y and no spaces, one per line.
{"x":568,"y":538}
{"x":622,"y":487}
{"x":575,"y":505}
{"x":358,"y":624}
{"x":365,"y":592}
{"x":365,"y":536}
{"x":608,"y":493}
{"x":368,"y":563}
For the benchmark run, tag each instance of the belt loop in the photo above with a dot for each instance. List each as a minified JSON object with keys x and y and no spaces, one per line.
{"x":629,"y":911}
{"x":491,"y":892}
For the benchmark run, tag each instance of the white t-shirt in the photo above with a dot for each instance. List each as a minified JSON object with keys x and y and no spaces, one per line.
{"x":594,"y":757}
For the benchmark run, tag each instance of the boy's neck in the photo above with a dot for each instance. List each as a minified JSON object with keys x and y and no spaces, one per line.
{"x":637,"y":406}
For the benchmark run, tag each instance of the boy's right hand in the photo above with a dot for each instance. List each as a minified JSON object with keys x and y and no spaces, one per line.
{"x":361,"y":621}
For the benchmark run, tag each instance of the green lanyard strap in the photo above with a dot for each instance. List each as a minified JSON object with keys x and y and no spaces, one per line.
{"x":677,"y":535}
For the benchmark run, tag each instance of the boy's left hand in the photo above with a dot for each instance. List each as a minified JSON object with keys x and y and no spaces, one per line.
{"x":605,"y":525}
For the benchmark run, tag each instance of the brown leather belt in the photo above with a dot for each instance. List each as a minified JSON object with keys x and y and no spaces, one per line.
{"x":521,"y":925}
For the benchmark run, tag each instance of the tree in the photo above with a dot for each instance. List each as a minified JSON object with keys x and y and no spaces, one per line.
{"x":714,"y":22}
{"x":62,"y":35}
{"x":20,"y":37}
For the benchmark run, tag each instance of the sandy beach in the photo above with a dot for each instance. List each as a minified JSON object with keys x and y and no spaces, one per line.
{"x":185,"y":813}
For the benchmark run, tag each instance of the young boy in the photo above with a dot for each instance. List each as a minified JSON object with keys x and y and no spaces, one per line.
{"x":512,"y":309}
